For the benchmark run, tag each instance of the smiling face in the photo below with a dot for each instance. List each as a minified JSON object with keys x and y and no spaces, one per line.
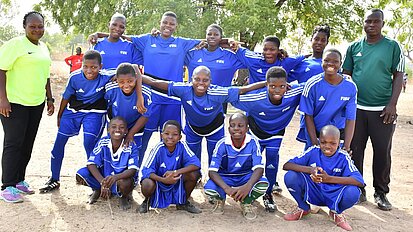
{"x":171,"y":136}
{"x":117,"y":129}
{"x":91,"y":68}
{"x":373,"y":23}
{"x":319,"y":42}
{"x":213,"y":37}
{"x":201,"y":82}
{"x":117,"y":27}
{"x":276,"y":88}
{"x":331,"y":63}
{"x":238,"y":127}
{"x":329,"y":144}
{"x":34,"y":28}
{"x":270,"y":52}
{"x":168,"y":26}
{"x":127,"y":83}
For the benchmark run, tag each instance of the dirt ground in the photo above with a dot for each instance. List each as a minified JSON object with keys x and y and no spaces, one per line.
{"x":67,"y":210}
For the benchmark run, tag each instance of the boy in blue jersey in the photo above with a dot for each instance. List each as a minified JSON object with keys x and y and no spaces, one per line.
{"x":325,"y":176}
{"x":259,"y":63}
{"x":329,"y":99}
{"x":112,"y":166}
{"x":202,"y":104}
{"x":170,"y":172}
{"x":122,"y":98}
{"x":236,"y":169}
{"x":269,"y":112}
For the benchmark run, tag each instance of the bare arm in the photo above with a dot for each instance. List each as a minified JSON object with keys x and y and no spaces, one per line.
{"x":214,"y":176}
{"x":389,"y":112}
{"x":140,"y":103}
{"x":242,"y":191}
{"x":258,"y":85}
{"x":298,"y":168}
{"x":62,"y":107}
{"x":159,"y":84}
{"x":139,"y":124}
{"x":309,"y":123}
{"x":5,"y":107}
{"x":49,"y":98}
{"x":348,"y":134}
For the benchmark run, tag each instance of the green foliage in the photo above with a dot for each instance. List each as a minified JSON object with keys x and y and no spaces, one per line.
{"x":7,"y":33}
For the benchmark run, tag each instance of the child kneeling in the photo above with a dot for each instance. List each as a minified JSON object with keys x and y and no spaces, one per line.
{"x":236,"y":169}
{"x":325,"y":176}
{"x":170,"y":172}
{"x":111,"y":167}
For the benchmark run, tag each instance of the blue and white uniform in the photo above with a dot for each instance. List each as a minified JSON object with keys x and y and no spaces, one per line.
{"x":267,"y":122}
{"x":159,"y":161}
{"x":328,"y":104}
{"x":258,"y":67}
{"x":204,"y":114}
{"x":122,"y":105}
{"x":308,"y":68}
{"x":86,"y":108}
{"x":115,"y":53}
{"x":222,"y":62}
{"x":110,"y":163}
{"x":336,"y":197}
{"x":235,"y":165}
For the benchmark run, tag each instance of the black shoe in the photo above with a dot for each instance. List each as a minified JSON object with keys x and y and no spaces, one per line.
{"x":269,"y":203}
{"x":50,"y":186}
{"x":382,"y":202}
{"x":276,"y":188}
{"x":189,"y":208}
{"x":362,"y":197}
{"x":94,"y":196}
{"x":144,"y":207}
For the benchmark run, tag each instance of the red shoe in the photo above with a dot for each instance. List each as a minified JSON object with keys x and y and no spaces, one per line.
{"x":340,"y":220}
{"x":295,"y":215}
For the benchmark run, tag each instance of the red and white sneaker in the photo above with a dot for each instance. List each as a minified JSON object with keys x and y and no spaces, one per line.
{"x":297,"y":214}
{"x":340,"y":220}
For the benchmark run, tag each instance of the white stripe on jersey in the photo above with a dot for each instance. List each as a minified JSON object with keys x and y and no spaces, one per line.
{"x":350,"y":162}
{"x":306,"y":151}
{"x":294,"y":92}
{"x":111,"y":85}
{"x":218,"y":145}
{"x":401,"y":66}
{"x":310,"y":83}
{"x":153,"y":153}
{"x":146,"y":91}
{"x":254,"y":55}
{"x":253,"y":97}
{"x":190,"y":153}
{"x":101,"y":143}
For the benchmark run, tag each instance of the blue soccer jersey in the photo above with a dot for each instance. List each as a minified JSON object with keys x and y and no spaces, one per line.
{"x":164,"y":58}
{"x":339,"y":164}
{"x":160,"y":160}
{"x":228,"y":160}
{"x":269,"y":117}
{"x":87,"y":95}
{"x":111,"y":163}
{"x":122,"y":105}
{"x":329,"y":104}
{"x":201,"y":111}
{"x":258,"y":67}
{"x":115,"y":53}
{"x":308,"y":68}
{"x":222,"y":62}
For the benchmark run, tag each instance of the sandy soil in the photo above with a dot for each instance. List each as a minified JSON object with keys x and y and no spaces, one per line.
{"x":66,"y":209}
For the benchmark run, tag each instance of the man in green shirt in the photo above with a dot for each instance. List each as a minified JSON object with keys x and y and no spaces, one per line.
{"x":376,"y":64}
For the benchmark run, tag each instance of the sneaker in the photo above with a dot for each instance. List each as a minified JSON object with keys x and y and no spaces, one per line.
{"x":211,"y":200}
{"x":269,"y":203}
{"x":248,"y":211}
{"x":218,"y":206}
{"x":94,"y":196}
{"x":189,"y":207}
{"x":11,"y":195}
{"x":382,"y":201}
{"x":276,"y":188}
{"x":340,"y":220}
{"x":362,"y":197}
{"x":50,"y":185}
{"x":295,"y":215}
{"x":24,"y":187}
{"x":144,"y":207}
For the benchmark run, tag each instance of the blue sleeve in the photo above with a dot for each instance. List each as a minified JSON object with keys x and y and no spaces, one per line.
{"x":189,"y":43}
{"x":350,"y":170}
{"x":307,"y":100}
{"x":233,"y":94}
{"x":70,"y":90}
{"x":140,"y":41}
{"x":151,"y":164}
{"x":291,"y":63}
{"x":137,"y":57}
{"x":257,"y":160}
{"x":147,"y":101}
{"x":241,"y":55}
{"x":96,"y":156}
{"x":217,"y":154}
{"x":189,"y":158}
{"x":303,"y":159}
{"x":188,"y":57}
{"x":134,"y":158}
{"x":177,"y":89}
{"x":351,"y":107}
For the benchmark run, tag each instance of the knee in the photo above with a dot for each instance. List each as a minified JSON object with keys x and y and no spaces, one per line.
{"x":291,"y":177}
{"x":351,"y":194}
{"x":147,"y":186}
{"x":192,"y":176}
{"x":125,"y":185}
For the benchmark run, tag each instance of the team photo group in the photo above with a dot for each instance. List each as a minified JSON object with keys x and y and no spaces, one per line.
{"x":126,"y":87}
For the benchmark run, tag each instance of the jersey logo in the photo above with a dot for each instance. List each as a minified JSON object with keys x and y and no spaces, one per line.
{"x":359,"y":54}
{"x":80,"y":91}
{"x":345,"y":98}
{"x":321,"y":98}
{"x":29,"y":53}
{"x":212,"y":163}
{"x":189,"y":102}
{"x":285,"y":109}
{"x":200,"y":60}
{"x":163,"y":165}
{"x":262,"y":113}
{"x":131,"y":161}
{"x":172,"y":45}
{"x":123,"y":52}
{"x":153,"y":45}
{"x":177,"y":158}
{"x":259,"y":70}
{"x":307,"y":69}
{"x":134,"y":108}
{"x":102,"y":52}
{"x":238,"y":165}
{"x":115,"y":103}
{"x":209,"y":108}
{"x":313,"y":165}
{"x":149,"y":101}
{"x":99,"y":89}
{"x":337,"y":170}
{"x":92,"y":158}
{"x":220,"y":61}
{"x":271,"y":166}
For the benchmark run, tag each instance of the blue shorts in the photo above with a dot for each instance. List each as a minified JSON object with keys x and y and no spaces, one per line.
{"x":165,"y":195}
{"x":162,"y":113}
{"x":232,"y":181}
{"x":92,"y":123}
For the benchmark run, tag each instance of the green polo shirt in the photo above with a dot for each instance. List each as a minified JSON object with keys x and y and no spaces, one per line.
{"x":27,"y":68}
{"x":372,"y":67}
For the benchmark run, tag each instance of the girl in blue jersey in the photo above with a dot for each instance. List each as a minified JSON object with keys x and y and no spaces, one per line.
{"x":259,"y":63}
{"x":202,"y":103}
{"x":122,"y":98}
{"x":170,"y":172}
{"x":236,"y":169}
{"x":112,"y":166}
{"x":325,"y":176}
{"x":329,"y":99}
{"x":269,"y":112}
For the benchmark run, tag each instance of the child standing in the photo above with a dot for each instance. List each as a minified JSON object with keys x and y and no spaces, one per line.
{"x":325,"y":176}
{"x":111,"y":166}
{"x":170,"y":173}
{"x":329,"y":99}
{"x":236,"y":169}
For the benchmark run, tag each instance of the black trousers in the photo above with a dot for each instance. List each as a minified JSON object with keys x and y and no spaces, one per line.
{"x":370,"y":124}
{"x":20,"y":130}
